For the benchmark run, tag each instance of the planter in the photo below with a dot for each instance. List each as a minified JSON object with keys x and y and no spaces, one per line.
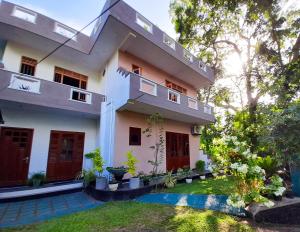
{"x":202,"y":177}
{"x":134,"y":182}
{"x":295,"y":176}
{"x":118,"y":173}
{"x":113,"y":187}
{"x":188,"y":181}
{"x":101,"y":183}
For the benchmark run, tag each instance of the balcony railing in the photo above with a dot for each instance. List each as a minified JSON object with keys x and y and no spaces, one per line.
{"x":150,"y":87}
{"x":26,"y":89}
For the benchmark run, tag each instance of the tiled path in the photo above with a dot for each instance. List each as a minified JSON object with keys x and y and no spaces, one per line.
{"x":212,"y":202}
{"x":31,"y":211}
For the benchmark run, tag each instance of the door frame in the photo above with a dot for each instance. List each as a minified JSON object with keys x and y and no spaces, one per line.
{"x":29,"y":149}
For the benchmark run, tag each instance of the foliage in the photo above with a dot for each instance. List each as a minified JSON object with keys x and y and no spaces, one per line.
{"x":88,"y":177}
{"x":155,"y":122}
{"x":37,"y":179}
{"x":200,"y":166}
{"x":169,"y":180}
{"x":269,"y":164}
{"x":135,"y":216}
{"x":218,"y":186}
{"x":285,"y":133}
{"x":131,"y":163}
{"x":250,"y":178}
{"x":97,"y":159}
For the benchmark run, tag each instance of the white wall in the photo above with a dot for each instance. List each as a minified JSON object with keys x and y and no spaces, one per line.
{"x":43,"y":123}
{"x":45,"y":70}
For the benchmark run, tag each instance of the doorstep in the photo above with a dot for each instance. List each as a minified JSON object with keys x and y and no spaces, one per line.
{"x":27,"y":192}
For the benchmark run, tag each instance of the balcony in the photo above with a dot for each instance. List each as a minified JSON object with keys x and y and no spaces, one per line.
{"x":145,"y":96}
{"x":20,"y":88}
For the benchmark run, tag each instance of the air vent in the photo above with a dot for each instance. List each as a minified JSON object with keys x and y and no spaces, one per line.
{"x":188,"y":56}
{"x":65,"y":31}
{"x":24,"y":14}
{"x":202,"y":66}
{"x":144,"y":23}
{"x":169,"y":41}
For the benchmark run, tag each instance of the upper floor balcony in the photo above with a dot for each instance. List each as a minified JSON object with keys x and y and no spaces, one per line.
{"x":138,"y":94}
{"x":32,"y":91}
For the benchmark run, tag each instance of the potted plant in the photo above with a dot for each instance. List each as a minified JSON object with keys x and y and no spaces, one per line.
{"x":113,"y":184}
{"x":117,"y":172}
{"x":37,"y":179}
{"x":200,"y":168}
{"x":134,"y":181}
{"x":170,"y":180}
{"x":189,"y":178}
{"x":88,"y":177}
{"x":98,"y":164}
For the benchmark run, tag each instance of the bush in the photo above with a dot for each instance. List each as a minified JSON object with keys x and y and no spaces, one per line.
{"x":170,"y":180}
{"x":200,"y":166}
{"x":269,"y":164}
{"x":37,"y":179}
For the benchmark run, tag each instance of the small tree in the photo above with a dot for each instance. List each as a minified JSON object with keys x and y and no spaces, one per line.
{"x":131,"y":163}
{"x":155,"y":126}
{"x":97,"y":159}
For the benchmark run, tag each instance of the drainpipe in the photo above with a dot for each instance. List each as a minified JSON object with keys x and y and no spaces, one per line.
{"x":2,"y":48}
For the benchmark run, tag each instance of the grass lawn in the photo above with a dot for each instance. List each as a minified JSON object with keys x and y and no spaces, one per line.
{"x":133,"y":216}
{"x":219,"y":185}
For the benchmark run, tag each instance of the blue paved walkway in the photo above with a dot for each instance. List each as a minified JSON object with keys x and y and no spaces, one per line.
{"x":212,"y":202}
{"x":31,"y":211}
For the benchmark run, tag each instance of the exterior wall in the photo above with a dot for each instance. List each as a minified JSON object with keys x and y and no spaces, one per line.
{"x":127,"y":119}
{"x":45,"y":70}
{"x":43,"y":123}
{"x":152,"y":73}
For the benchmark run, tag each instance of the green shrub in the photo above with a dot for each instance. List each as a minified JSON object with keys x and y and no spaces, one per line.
{"x":200,"y":166}
{"x":131,"y":163}
{"x":37,"y":179}
{"x":98,"y":161}
{"x":170,"y":180}
{"x":269,"y":164}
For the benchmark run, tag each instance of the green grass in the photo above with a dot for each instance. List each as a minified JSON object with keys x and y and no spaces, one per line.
{"x":219,"y":185}
{"x":133,"y":216}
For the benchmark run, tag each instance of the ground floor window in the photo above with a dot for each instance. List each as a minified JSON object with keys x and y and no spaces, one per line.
{"x":135,"y":135}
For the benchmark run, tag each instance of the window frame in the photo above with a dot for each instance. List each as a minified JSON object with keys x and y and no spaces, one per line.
{"x":28,"y":61}
{"x":26,"y":11}
{"x":139,"y":135}
{"x":151,"y":83}
{"x":136,"y":67}
{"x":71,"y":74}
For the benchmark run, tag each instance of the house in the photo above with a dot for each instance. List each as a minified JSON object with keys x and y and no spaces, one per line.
{"x":95,"y":91}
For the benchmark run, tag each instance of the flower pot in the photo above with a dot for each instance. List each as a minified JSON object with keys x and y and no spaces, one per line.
{"x":134,"y":182}
{"x":113,"y":187}
{"x":118,"y":173}
{"x":188,"y":181}
{"x":295,"y":176}
{"x":202,"y":177}
{"x":101,"y":183}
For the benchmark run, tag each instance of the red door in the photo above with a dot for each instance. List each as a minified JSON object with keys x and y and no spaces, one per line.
{"x":177,"y":150}
{"x":65,"y":155}
{"x":15,"y":149}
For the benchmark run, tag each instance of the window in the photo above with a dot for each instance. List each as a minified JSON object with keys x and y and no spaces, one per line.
{"x":188,"y":56}
{"x":70,"y":78}
{"x":65,"y":31}
{"x":144,"y":23}
{"x":80,"y":95}
{"x":135,"y":135}
{"x":24,"y":14}
{"x":173,"y":96}
{"x":136,"y":69}
{"x":28,"y":66}
{"x":67,"y":148}
{"x":178,"y":88}
{"x":169,"y":41}
{"x":147,"y":86}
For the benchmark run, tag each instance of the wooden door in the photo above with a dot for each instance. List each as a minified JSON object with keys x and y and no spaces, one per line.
{"x":177,"y":151}
{"x":65,"y":155}
{"x":15,"y":149}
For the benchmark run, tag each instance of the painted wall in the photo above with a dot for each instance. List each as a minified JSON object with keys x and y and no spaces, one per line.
{"x":126,"y":119}
{"x":152,"y":73}
{"x":45,"y":70}
{"x":43,"y":123}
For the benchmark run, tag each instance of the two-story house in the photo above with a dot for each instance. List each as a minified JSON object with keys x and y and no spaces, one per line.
{"x":95,"y":91}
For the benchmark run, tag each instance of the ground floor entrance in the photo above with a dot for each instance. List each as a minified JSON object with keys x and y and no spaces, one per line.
{"x":177,"y":151}
{"x":15,"y":150}
{"x":65,"y":155}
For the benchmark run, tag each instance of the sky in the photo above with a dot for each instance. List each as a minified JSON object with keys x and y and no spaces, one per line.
{"x":78,"y":13}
